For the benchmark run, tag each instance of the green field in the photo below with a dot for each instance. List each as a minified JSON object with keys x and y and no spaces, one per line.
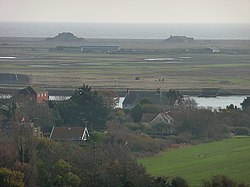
{"x":228,"y":157}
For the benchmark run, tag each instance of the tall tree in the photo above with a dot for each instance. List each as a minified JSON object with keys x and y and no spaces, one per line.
{"x":84,"y":106}
{"x":246,"y":103}
{"x":136,"y":113}
{"x":172,"y":96}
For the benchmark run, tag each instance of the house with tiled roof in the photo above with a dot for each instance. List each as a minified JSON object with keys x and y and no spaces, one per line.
{"x":69,"y":134}
{"x":35,"y":94}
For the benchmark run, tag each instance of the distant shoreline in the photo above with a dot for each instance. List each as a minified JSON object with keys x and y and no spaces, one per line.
{"x":127,"y":30}
{"x":122,"y":39}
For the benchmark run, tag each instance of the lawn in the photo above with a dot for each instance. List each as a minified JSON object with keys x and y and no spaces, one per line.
{"x":229,"y":157}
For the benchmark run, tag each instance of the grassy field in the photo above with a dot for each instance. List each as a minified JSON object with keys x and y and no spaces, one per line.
{"x":228,"y":157}
{"x":180,"y":69}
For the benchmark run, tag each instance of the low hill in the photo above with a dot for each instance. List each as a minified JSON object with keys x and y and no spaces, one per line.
{"x":228,"y":157}
{"x":179,"y":39}
{"x":65,"y":37}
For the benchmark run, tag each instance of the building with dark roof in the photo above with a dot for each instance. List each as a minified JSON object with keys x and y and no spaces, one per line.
{"x":35,"y":94}
{"x":69,"y":134}
{"x":132,"y":98}
{"x":100,"y":48}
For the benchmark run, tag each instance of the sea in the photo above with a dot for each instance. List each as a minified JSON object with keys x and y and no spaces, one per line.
{"x":126,"y":30}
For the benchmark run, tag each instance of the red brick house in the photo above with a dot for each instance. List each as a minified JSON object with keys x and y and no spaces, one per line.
{"x":36,"y":94}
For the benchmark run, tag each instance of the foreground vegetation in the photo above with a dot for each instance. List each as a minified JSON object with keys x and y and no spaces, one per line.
{"x":118,"y":138}
{"x":194,"y":163}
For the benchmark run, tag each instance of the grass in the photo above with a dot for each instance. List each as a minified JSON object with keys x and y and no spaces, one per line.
{"x":229,"y":157}
{"x":105,"y":70}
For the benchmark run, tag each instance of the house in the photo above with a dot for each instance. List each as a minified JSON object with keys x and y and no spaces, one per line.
{"x":163,"y":117}
{"x":166,"y":119}
{"x":35,"y":94}
{"x":132,"y":98}
{"x":69,"y":134}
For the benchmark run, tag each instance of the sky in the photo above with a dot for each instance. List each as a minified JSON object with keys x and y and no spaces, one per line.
{"x":126,"y":11}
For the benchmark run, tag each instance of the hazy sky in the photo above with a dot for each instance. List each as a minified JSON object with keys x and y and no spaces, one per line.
{"x":127,"y":11}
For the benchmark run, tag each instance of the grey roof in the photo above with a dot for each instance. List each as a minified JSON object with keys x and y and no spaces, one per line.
{"x":137,"y":97}
{"x":31,"y":90}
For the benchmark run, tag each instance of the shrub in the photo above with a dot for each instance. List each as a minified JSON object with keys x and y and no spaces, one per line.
{"x":169,"y":182}
{"x":222,"y":181}
{"x":240,"y":131}
{"x":10,"y":178}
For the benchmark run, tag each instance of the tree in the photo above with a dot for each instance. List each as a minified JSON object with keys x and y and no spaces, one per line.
{"x":86,"y":105}
{"x":136,"y":113}
{"x":145,"y":101}
{"x":10,"y":178}
{"x":64,"y":177}
{"x":172,"y":96}
{"x":246,"y":103}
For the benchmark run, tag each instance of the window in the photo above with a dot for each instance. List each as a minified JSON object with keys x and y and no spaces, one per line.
{"x":45,"y":94}
{"x":41,"y":95}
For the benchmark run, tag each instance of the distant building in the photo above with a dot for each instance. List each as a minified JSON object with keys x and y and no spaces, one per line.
{"x":69,"y":134}
{"x":167,"y":120}
{"x":161,"y":118}
{"x":87,"y":48}
{"x":212,"y":50}
{"x":35,"y":94}
{"x":100,"y":48}
{"x":132,"y":98}
{"x":209,"y":92}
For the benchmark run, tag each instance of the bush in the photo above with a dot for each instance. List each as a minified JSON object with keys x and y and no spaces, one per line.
{"x":177,"y":182}
{"x":222,"y":181}
{"x":240,"y":131}
{"x":169,"y":182}
{"x":10,"y":178}
{"x":184,"y":137}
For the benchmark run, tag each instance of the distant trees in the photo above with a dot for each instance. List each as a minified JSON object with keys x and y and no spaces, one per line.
{"x":202,"y":124}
